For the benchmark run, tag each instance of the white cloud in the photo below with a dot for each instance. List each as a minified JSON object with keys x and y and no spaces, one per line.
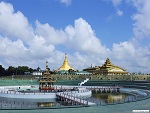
{"x":123,"y":50}
{"x":50,"y":34}
{"x":13,"y":52}
{"x":142,"y":25}
{"x":14,"y":25}
{"x":119,"y":12}
{"x":39,"y":44}
{"x":66,"y":2}
{"x":81,"y":37}
{"x":131,"y":56}
{"x":11,"y":48}
{"x":19,"y":44}
{"x":116,"y":2}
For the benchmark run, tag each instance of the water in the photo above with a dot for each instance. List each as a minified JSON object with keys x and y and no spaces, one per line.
{"x":98,"y":98}
{"x":15,"y":103}
{"x":110,"y":98}
{"x":118,"y":108}
{"x":115,"y":108}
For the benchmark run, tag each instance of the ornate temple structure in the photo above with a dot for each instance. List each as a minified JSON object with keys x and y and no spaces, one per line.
{"x":65,"y":66}
{"x":107,"y":69}
{"x":47,"y":80}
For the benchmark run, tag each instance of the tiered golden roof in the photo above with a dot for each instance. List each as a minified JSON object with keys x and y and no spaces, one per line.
{"x":65,"y":65}
{"x":107,"y":64}
{"x":107,"y":69}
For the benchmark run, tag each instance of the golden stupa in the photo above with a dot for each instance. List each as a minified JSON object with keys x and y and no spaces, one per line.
{"x":65,"y":65}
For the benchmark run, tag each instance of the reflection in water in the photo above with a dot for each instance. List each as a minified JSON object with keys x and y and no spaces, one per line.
{"x":111,"y":97}
{"x":45,"y":104}
{"x":26,"y":103}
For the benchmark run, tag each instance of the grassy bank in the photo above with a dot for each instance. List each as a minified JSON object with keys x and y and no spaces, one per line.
{"x":17,"y":82}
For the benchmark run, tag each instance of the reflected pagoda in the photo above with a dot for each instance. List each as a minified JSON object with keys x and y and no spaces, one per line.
{"x":47,"y":80}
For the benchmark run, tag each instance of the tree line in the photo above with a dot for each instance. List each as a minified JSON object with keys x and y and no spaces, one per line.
{"x":20,"y":70}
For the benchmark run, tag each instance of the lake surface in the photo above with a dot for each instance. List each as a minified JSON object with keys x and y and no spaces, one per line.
{"x":98,"y":98}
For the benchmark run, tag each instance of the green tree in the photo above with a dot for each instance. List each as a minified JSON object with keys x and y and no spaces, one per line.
{"x":2,"y":71}
{"x":22,"y":69}
{"x":11,"y":70}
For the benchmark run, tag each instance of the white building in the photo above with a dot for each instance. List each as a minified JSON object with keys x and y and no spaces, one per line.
{"x":38,"y":72}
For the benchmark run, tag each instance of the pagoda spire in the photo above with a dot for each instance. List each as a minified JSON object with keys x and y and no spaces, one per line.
{"x":47,"y":69}
{"x":66,"y":59}
{"x":46,"y":65}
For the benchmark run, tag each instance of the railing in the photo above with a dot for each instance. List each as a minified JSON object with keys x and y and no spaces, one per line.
{"x":73,"y":97}
{"x":23,"y":93}
{"x":61,"y":88}
{"x":102,"y":87}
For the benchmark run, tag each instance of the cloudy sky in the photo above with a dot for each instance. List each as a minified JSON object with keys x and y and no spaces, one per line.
{"x":89,"y":31}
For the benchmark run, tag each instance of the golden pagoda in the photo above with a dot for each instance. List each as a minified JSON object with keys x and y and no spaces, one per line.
{"x":110,"y":69}
{"x":107,"y":69}
{"x":47,"y":80}
{"x":65,"y":65}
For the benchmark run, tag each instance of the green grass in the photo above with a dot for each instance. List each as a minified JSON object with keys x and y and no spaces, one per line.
{"x":17,"y":82}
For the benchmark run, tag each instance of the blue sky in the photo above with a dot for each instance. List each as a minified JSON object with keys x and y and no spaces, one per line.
{"x":88,"y":30}
{"x":100,"y":14}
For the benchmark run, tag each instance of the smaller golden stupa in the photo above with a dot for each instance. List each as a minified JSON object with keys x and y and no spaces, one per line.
{"x":65,"y":65}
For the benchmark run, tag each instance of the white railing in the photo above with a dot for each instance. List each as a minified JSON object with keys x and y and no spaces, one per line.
{"x":102,"y":87}
{"x":73,"y":97}
{"x":6,"y":90}
{"x":23,"y":93}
